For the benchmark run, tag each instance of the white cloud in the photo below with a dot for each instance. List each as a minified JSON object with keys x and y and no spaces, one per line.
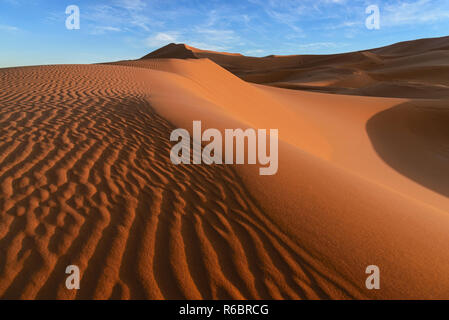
{"x":319,"y":45}
{"x":207,"y":46}
{"x":217,"y":34}
{"x":134,"y":5}
{"x":161,"y":39}
{"x":414,"y":12}
{"x":4,"y":27}
{"x":126,"y":15}
{"x":98,"y":30}
{"x":255,"y":52}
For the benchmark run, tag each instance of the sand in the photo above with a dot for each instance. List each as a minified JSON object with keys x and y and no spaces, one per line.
{"x":412,"y":69}
{"x":86,"y":179}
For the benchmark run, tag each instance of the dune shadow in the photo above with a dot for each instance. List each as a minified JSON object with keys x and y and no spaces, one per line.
{"x":413,"y":138}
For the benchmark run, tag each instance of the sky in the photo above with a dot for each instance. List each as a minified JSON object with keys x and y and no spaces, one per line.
{"x":34,"y":32}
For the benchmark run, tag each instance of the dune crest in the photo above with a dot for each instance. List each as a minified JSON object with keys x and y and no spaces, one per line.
{"x":334,"y":193}
{"x":411,"y":69}
{"x":183,"y":51}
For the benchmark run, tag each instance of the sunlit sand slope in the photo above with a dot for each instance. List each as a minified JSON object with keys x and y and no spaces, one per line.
{"x":346,"y":192}
{"x":85,"y":179}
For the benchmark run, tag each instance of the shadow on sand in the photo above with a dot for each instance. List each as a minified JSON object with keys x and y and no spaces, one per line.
{"x":413,"y":138}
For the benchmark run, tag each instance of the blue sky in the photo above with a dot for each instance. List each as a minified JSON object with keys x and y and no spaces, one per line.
{"x":33,"y":31}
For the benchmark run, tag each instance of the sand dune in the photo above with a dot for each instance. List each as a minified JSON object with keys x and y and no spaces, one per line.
{"x":334,"y":192}
{"x":412,"y":69}
{"x":86,"y":179}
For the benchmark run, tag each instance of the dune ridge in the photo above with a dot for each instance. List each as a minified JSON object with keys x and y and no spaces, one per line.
{"x":334,"y":192}
{"x":86,"y":179}
{"x":411,"y":69}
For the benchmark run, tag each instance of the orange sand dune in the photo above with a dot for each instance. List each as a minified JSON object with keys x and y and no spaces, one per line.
{"x":393,"y":71}
{"x":86,"y":179}
{"x":334,"y":193}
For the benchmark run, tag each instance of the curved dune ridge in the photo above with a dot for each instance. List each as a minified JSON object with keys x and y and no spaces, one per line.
{"x":337,"y":193}
{"x":411,"y":69}
{"x":86,"y":180}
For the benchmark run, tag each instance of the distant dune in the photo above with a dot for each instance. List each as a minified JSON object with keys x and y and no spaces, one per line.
{"x":86,"y":179}
{"x":412,"y":69}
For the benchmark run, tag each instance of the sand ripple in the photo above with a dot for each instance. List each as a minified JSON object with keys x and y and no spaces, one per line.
{"x":85,"y":179}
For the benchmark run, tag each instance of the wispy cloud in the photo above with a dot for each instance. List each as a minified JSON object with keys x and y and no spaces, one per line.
{"x":125,"y":15}
{"x":318,"y":45}
{"x":7,"y":28}
{"x":252,"y":27}
{"x":132,"y":5}
{"x":99,"y":30}
{"x":399,"y":13}
{"x":255,"y":52}
{"x":223,"y":36}
{"x":162,"y":38}
{"x":207,"y":40}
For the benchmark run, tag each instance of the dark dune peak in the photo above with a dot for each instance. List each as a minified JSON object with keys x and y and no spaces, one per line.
{"x":172,"y":50}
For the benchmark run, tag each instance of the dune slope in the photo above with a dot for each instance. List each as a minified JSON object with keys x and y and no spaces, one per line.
{"x":334,"y":194}
{"x":86,"y":180}
{"x":411,"y":69}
